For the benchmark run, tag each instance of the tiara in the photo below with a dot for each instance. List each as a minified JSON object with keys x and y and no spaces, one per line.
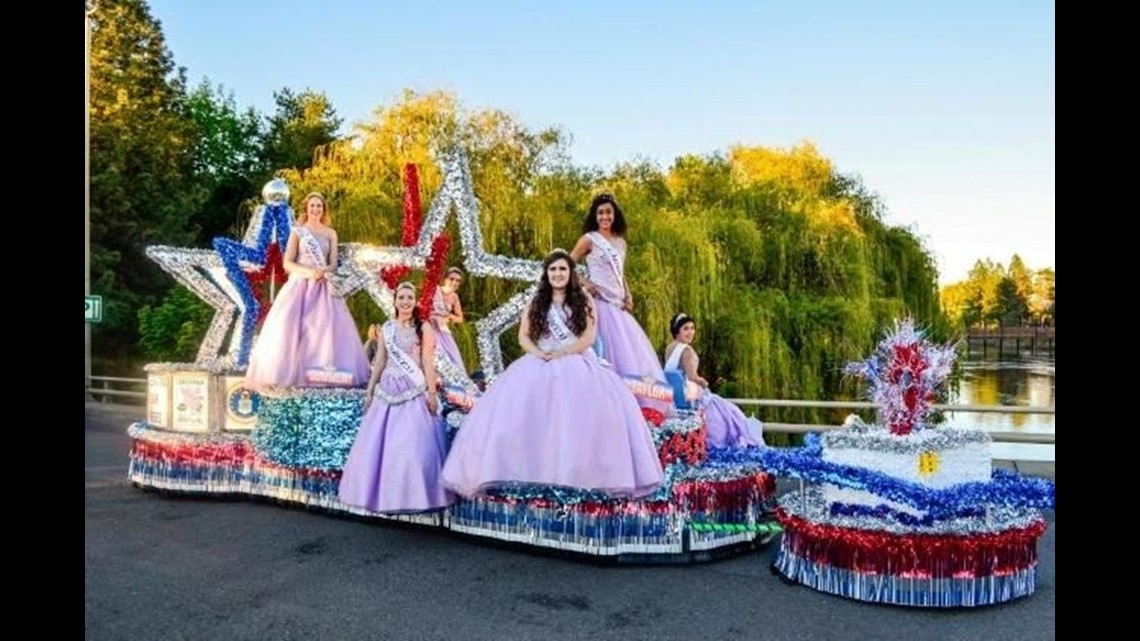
{"x":406,"y":285}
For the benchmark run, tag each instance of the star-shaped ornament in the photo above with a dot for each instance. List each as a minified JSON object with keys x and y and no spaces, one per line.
{"x":362,"y":262}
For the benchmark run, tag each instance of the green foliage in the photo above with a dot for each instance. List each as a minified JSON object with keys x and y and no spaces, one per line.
{"x":227,"y":160}
{"x":786,"y":265}
{"x":304,"y":122}
{"x":995,"y":296}
{"x":172,"y":330}
{"x":142,"y":164}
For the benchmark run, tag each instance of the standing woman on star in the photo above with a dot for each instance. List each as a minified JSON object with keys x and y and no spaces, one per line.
{"x":603,"y":248}
{"x":309,"y":328}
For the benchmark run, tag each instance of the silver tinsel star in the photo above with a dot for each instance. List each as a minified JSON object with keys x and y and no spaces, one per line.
{"x":202,"y":272}
{"x":362,"y":264}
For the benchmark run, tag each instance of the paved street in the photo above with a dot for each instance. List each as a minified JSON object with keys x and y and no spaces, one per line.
{"x":165,"y":567}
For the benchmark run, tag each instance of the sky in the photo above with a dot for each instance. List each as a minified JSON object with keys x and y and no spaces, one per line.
{"x":945,"y":109}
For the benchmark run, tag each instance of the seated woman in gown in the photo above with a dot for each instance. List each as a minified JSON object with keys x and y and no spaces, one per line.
{"x":725,"y":423}
{"x":557,"y":416}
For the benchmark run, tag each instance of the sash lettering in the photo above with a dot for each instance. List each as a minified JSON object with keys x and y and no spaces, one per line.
{"x":557,"y":327}
{"x":401,"y":358}
{"x":311,"y":246}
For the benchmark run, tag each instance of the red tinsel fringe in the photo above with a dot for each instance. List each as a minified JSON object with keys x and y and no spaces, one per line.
{"x":233,"y":453}
{"x":412,"y":210}
{"x":913,"y":555}
{"x":273,"y":271}
{"x":226,"y":454}
{"x":433,"y":270}
{"x":712,"y":496}
{"x":412,"y":222}
{"x":690,"y":448}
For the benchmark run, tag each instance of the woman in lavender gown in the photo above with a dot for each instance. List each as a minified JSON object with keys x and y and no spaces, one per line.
{"x":395,"y":462}
{"x":445,"y":310}
{"x":557,"y":416}
{"x":726,"y":424}
{"x":309,"y":338}
{"x":623,"y":343}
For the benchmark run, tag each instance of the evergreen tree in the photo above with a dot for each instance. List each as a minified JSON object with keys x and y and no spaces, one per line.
{"x":142,"y":164}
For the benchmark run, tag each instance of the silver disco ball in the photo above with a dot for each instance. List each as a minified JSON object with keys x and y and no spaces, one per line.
{"x":275,"y":191}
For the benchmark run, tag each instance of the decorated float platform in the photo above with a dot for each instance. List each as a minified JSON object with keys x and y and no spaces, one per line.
{"x":205,"y":434}
{"x":900,"y":512}
{"x":903,"y":511}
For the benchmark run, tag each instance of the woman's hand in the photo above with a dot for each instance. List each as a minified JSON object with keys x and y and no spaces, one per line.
{"x":432,"y":401}
{"x":628,"y":303}
{"x":367,"y":402}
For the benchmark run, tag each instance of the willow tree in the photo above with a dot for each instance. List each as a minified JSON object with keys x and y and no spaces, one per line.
{"x":518,"y":174}
{"x":787,"y":266}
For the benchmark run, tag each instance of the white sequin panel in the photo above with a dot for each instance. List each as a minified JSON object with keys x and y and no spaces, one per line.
{"x":833,"y":494}
{"x":961,"y":464}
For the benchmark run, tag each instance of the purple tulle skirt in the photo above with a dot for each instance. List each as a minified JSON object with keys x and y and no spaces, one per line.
{"x":307,"y":328}
{"x":569,"y":422}
{"x":395,"y":463}
{"x":628,"y":350}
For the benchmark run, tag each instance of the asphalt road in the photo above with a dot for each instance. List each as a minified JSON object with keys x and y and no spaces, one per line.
{"x":164,"y":567}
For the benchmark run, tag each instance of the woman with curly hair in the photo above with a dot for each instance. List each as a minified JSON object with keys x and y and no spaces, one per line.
{"x":557,"y":416}
{"x":603,"y":248}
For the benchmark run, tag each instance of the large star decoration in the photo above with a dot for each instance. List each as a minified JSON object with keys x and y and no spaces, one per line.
{"x":362,"y":262}
{"x":202,"y":272}
{"x":222,"y":278}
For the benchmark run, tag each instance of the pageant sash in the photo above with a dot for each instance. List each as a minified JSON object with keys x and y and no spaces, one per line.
{"x":402,"y":359}
{"x":311,"y":246}
{"x":556,"y":325}
{"x":613,"y":257}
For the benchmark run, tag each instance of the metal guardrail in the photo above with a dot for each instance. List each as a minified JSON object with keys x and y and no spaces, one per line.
{"x":1001,"y":437}
{"x":106,"y":391}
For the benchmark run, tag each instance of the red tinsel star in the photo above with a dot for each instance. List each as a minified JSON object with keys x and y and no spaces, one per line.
{"x":412,"y":222}
{"x":653,"y":416}
{"x":273,"y":271}
{"x":432,"y":272}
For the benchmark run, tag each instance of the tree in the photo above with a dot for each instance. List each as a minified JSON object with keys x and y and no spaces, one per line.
{"x":1022,"y":279}
{"x":983,"y":281}
{"x":142,"y":164}
{"x":303,"y":123}
{"x":1043,"y":300}
{"x":173,"y":330}
{"x":227,"y":159}
{"x":1010,"y":306}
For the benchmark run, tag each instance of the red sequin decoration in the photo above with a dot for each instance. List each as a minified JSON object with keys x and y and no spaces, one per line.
{"x":653,"y":416}
{"x":273,"y":271}
{"x":433,"y":270}
{"x":690,"y":448}
{"x":412,"y":221}
{"x":913,"y":555}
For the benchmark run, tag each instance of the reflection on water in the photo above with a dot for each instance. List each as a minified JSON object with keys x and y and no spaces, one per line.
{"x":1028,"y":382}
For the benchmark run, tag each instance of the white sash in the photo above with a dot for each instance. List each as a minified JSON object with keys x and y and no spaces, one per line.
{"x":311,"y":246}
{"x":558,"y":328}
{"x":401,"y":358}
{"x":439,"y":305}
{"x":674,"y":361}
{"x":611,"y":254}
